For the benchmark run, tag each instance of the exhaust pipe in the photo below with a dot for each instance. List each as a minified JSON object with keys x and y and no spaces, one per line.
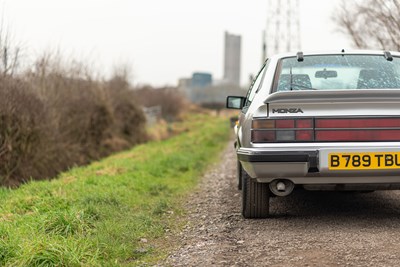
{"x":281,"y":188}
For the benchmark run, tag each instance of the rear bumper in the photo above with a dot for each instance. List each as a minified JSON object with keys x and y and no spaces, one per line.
{"x":270,"y":165}
{"x":303,"y":167}
{"x":278,"y":156}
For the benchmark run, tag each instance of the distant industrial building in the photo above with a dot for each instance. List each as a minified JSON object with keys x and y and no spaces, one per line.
{"x":202,"y":89}
{"x":232,"y":60}
{"x":201,"y":79}
{"x":184,"y":83}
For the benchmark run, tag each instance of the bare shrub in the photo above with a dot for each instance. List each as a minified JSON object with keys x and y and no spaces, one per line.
{"x":172,"y":102}
{"x":79,"y":114}
{"x":129,"y":120}
{"x":22,"y":118}
{"x":56,"y":116}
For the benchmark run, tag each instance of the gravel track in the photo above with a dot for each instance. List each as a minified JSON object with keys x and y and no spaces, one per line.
{"x":307,"y":228}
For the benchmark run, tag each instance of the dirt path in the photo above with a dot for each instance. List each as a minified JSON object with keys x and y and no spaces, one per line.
{"x":308,"y":228}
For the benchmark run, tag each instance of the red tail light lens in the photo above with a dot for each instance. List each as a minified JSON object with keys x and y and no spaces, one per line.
{"x":357,"y":129}
{"x":304,"y":123}
{"x":357,"y":123}
{"x":358,"y":135}
{"x":326,"y":130}
{"x":305,"y":135}
{"x":282,"y":124}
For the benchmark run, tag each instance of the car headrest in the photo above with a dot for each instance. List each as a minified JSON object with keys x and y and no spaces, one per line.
{"x":372,"y":78}
{"x":299,"y":81}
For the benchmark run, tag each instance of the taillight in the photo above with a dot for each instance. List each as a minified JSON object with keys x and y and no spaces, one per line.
{"x":358,"y":135}
{"x":351,"y":123}
{"x":326,"y":130}
{"x":282,"y":130}
{"x":304,"y":135}
{"x":357,"y":129}
{"x":284,"y":124}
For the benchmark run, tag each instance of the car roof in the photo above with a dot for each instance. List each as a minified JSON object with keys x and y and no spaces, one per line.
{"x":336,"y":52}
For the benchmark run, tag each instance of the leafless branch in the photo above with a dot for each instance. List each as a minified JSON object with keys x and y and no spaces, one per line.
{"x":371,"y":23}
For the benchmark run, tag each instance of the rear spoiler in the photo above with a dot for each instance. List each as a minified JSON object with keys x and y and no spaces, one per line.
{"x":328,"y":96}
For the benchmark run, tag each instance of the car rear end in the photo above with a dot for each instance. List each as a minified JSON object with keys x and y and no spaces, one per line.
{"x":325,"y":122}
{"x":329,"y":140}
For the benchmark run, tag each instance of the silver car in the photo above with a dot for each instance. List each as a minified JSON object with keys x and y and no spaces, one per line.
{"x":321,"y":121}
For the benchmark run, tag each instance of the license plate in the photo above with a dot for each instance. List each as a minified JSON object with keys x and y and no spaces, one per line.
{"x":364,"y":161}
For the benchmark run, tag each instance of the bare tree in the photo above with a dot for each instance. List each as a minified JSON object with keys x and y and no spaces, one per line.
{"x":9,"y":53}
{"x":371,"y":23}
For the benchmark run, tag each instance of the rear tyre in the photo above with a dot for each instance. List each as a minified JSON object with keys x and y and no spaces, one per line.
{"x":255,"y":198}
{"x":239,"y":171}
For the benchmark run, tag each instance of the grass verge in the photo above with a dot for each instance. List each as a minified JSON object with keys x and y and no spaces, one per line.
{"x":113,"y":212}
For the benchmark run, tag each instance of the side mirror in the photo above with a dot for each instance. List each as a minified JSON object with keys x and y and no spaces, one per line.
{"x":235,"y":102}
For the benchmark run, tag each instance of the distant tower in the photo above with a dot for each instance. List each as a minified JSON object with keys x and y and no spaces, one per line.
{"x":232,"y":59}
{"x":282,"y":33}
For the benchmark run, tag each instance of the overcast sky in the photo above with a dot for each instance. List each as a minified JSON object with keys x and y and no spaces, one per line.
{"x":162,"y":40}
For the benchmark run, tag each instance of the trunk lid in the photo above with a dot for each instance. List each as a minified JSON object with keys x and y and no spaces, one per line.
{"x":328,"y":116}
{"x":370,"y":102}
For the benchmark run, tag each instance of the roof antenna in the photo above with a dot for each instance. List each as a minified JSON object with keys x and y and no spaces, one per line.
{"x":342,"y":50}
{"x":388,"y":56}
{"x":300,"y":57}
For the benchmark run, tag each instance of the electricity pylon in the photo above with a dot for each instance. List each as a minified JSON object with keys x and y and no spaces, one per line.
{"x":282,"y":32}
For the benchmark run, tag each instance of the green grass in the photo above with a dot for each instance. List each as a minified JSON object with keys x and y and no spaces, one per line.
{"x":113,"y":212}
